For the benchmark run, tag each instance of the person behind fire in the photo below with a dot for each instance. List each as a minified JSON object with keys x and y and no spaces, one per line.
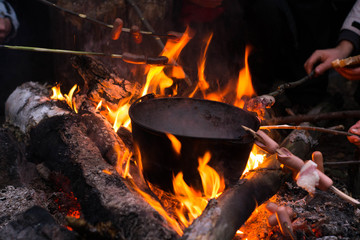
{"x":349,"y":44}
{"x":9,"y":23}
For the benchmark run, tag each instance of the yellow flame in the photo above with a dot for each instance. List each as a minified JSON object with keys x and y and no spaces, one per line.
{"x":255,"y":159}
{"x":99,"y":105}
{"x":193,"y":202}
{"x":68,"y":98}
{"x":57,"y":93}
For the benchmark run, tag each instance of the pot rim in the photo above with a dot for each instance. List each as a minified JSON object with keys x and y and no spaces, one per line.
{"x":161,"y":132}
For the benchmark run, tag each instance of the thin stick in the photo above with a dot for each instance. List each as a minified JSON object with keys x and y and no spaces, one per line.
{"x":313,"y":117}
{"x":341,"y":163}
{"x":309,"y":128}
{"x":62,"y":51}
{"x":126,"y":57}
{"x":281,"y":89}
{"x":85,"y":17}
{"x":290,"y":232}
{"x":145,"y":22}
{"x":254,"y":134}
{"x":345,"y":196}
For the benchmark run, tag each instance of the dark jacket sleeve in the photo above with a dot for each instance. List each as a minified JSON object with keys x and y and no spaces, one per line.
{"x":350,"y":29}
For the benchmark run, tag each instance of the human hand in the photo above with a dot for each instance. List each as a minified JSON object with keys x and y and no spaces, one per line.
{"x":326,"y":56}
{"x":5,"y":28}
{"x":349,"y":73}
{"x":355,"y":129}
{"x":207,"y":3}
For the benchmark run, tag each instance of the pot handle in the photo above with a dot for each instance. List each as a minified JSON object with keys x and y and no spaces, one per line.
{"x":145,"y":98}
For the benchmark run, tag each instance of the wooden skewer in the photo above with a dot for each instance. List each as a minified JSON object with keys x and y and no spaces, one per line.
{"x":84,"y":16}
{"x":309,"y":128}
{"x":344,"y":196}
{"x":126,"y":57}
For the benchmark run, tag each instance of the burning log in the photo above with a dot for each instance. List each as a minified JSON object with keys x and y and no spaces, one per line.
{"x":80,"y":152}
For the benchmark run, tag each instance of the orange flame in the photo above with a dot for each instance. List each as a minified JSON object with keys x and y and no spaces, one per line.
{"x":203,"y":85}
{"x":193,"y":202}
{"x":176,"y":144}
{"x":244,"y":86}
{"x":122,"y":167}
{"x":123,"y":163}
{"x":156,"y":78}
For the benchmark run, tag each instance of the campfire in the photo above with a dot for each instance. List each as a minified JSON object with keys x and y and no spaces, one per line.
{"x":114,"y":159}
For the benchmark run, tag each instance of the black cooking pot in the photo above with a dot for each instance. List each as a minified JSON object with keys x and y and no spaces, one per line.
{"x":200,"y":126}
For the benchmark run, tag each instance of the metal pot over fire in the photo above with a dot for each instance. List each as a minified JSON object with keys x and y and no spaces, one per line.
{"x":200,"y":126}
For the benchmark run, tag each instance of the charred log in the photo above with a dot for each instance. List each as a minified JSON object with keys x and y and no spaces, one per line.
{"x":35,"y":224}
{"x":101,"y":84}
{"x":77,"y":149}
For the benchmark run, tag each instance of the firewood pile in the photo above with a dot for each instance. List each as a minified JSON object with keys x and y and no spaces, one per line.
{"x":66,"y":174}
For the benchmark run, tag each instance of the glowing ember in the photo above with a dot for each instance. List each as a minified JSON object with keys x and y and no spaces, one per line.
{"x":68,"y":204}
{"x":107,"y":172}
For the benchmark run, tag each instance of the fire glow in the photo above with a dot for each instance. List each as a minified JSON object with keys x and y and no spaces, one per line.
{"x":192,"y":202}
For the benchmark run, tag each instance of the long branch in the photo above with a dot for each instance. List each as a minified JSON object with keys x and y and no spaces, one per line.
{"x":281,"y":89}
{"x":312,"y":117}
